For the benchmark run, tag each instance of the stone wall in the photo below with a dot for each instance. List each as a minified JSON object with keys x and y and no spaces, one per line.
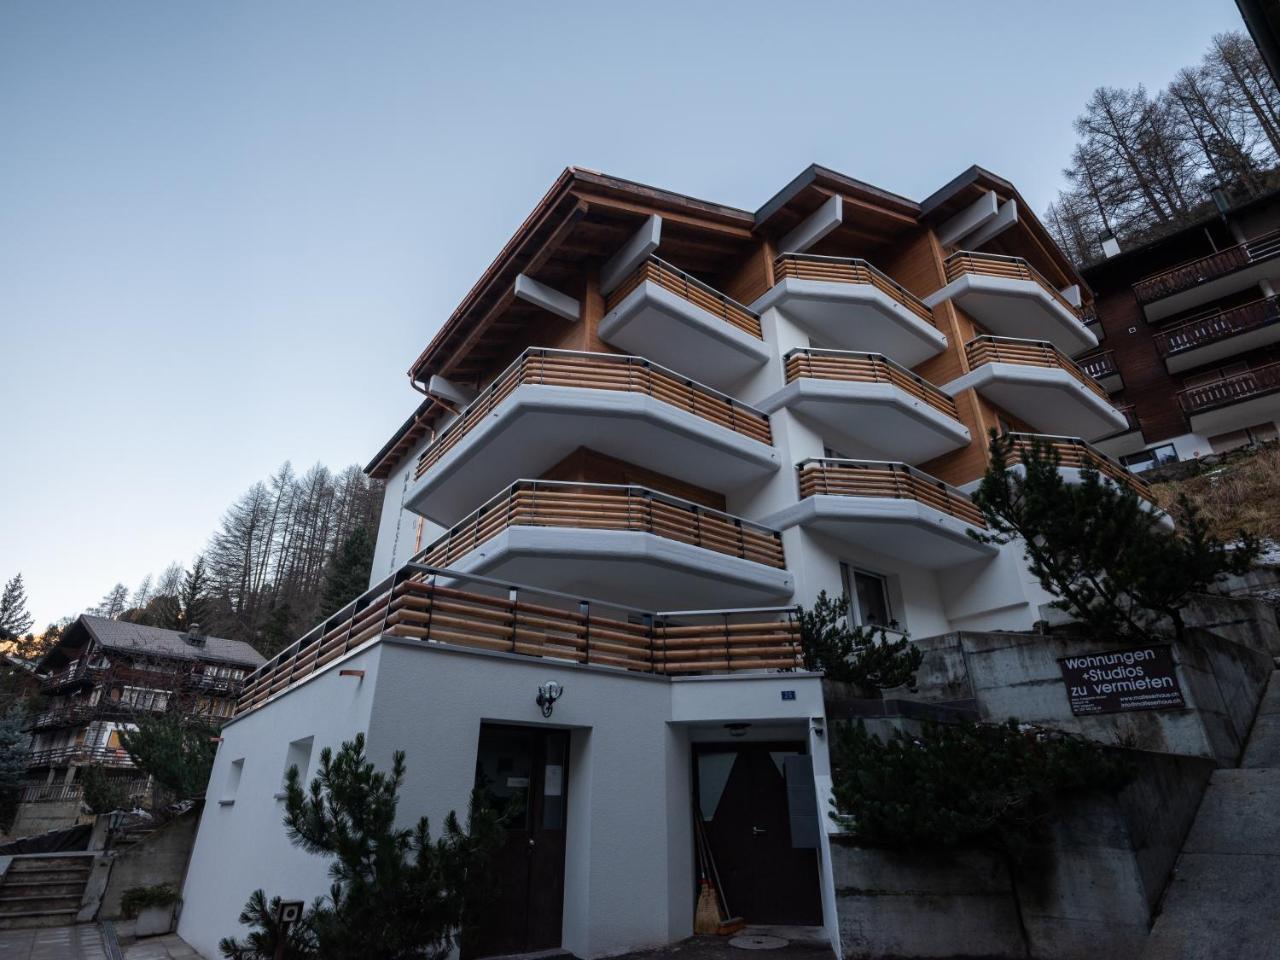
{"x":159,"y":858}
{"x":42,"y":816}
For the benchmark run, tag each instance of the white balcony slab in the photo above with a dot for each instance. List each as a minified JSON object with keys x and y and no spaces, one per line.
{"x":855,"y":316}
{"x":628,"y":567}
{"x":1122,"y":444}
{"x":874,"y":420}
{"x":1223,"y":349}
{"x":902,"y":528}
{"x":1049,"y":398}
{"x":1111,"y":383}
{"x":1074,"y":476}
{"x":655,"y":323}
{"x":538,"y":425}
{"x":1246,"y":412}
{"x":1010,"y":307}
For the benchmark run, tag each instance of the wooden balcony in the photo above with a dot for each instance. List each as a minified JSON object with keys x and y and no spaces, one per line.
{"x":847,"y":303}
{"x":1036,"y":382}
{"x":1220,"y":334}
{"x":550,"y":402}
{"x":867,"y":405}
{"x":1207,"y":278}
{"x":80,"y":754}
{"x":1073,"y":454}
{"x":72,"y":674}
{"x":673,"y":318}
{"x":1258,"y":382}
{"x":426,"y":604}
{"x":1102,"y":368}
{"x":1011,"y":298}
{"x":897,"y":481}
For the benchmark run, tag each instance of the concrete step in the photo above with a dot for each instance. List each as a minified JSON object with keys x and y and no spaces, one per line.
{"x":47,"y":888}
{"x":10,"y":905}
{"x":46,"y":876}
{"x":37,"y":918}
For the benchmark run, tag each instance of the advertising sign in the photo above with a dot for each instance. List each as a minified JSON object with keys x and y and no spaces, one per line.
{"x":1135,"y":678}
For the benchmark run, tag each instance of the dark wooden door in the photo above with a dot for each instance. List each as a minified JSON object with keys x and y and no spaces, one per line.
{"x":523,"y":773}
{"x":742,"y":797}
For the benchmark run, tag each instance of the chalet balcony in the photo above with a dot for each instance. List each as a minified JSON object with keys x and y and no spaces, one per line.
{"x":629,"y":543}
{"x":1035,"y":382}
{"x":1220,"y":334}
{"x":1089,"y":316}
{"x":1011,"y":298}
{"x":1102,"y":368}
{"x":673,"y":318}
{"x":1073,"y":454}
{"x":890,"y":508}
{"x":848,"y":304}
{"x":549,"y":403}
{"x":79,"y":754}
{"x":71,"y":675}
{"x":464,"y":612}
{"x":1209,"y":278}
{"x":1233,"y":402}
{"x":866,"y":404}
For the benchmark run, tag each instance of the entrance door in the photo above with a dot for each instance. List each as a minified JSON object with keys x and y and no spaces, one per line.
{"x":742,"y":798}
{"x":523,"y":774}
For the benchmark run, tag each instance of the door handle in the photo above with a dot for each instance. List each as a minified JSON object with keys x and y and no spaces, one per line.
{"x":532,"y":842}
{"x":758,"y":831}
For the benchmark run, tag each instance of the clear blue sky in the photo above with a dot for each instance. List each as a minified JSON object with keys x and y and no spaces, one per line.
{"x":226,"y":228}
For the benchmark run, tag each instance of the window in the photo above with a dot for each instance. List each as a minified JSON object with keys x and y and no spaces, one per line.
{"x":299,"y":756}
{"x":1154,"y":457}
{"x":145,"y":698}
{"x":868,"y":595}
{"x":234,"y":773}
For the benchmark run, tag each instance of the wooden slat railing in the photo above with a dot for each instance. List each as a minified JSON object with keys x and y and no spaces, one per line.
{"x":1075,"y":453}
{"x":78,"y":753}
{"x":1192,"y":273}
{"x":865,"y":368}
{"x":1243,"y":386}
{"x":875,"y":478}
{"x":490,"y":615}
{"x":1032,"y":353}
{"x":600,"y":371}
{"x":595,"y":506}
{"x":1217,"y":326}
{"x":1010,"y":268}
{"x":808,"y":266}
{"x":689,"y":288}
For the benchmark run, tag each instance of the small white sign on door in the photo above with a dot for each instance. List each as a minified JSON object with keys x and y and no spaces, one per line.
{"x":554,"y":780}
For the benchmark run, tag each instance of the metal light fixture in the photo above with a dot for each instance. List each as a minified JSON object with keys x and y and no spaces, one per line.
{"x":548,"y":694}
{"x":737,"y":729}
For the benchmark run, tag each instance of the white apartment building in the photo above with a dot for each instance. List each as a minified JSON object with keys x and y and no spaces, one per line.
{"x":652,"y":428}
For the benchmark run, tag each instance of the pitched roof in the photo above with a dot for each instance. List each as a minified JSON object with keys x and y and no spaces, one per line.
{"x":120,"y":635}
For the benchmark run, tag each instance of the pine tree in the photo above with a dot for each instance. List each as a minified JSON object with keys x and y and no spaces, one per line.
{"x":15,"y":619}
{"x":194,"y":599}
{"x":862,"y":656}
{"x":176,"y":752}
{"x":347,"y":575}
{"x":114,"y":603}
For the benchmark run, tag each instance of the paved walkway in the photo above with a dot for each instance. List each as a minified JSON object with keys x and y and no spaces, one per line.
{"x":84,"y":942}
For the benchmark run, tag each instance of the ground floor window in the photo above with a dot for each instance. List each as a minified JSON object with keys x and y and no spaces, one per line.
{"x":868,"y":595}
{"x":1153,"y":457}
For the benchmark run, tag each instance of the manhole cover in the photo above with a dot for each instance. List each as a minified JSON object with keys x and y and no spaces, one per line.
{"x":757,"y":942}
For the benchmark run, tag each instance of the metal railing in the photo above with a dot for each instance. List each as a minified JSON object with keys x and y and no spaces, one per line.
{"x":1100,"y":365}
{"x":1009,"y":268}
{"x":1075,"y":453}
{"x":428,"y":604}
{"x":809,"y":266}
{"x":1220,"y":393}
{"x":865,"y":368}
{"x":689,"y":288}
{"x":1032,"y":353}
{"x":1218,"y":325}
{"x":599,"y":371}
{"x":599,"y":506}
{"x":1192,"y":273}
{"x":883,"y":479}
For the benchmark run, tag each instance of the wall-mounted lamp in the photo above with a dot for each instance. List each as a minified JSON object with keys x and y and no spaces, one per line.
{"x":548,"y":694}
{"x":737,"y":729}
{"x":819,"y":725}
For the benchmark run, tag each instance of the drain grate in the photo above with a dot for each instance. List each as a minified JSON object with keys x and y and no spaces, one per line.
{"x":758,"y":941}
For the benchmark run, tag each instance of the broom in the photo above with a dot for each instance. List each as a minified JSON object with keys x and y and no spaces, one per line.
{"x":713,"y":909}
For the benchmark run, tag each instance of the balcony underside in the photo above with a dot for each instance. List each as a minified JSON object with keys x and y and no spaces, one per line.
{"x":1122,"y":444}
{"x":1242,"y":413}
{"x":626,"y":567}
{"x":1212,"y":290}
{"x":901,"y":528}
{"x":537,"y":426}
{"x":1111,"y":382}
{"x":1074,"y":476}
{"x":1049,"y":398}
{"x":655,"y":323}
{"x":1224,"y":348}
{"x":855,"y":316}
{"x":1009,"y":307}
{"x":874,"y":420}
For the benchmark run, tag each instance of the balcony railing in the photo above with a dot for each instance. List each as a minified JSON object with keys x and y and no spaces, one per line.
{"x":1089,"y":317}
{"x":1008,"y":268}
{"x":1074,"y":453}
{"x":881,"y":479}
{"x":72,"y":673}
{"x":865,"y":368}
{"x":807,"y":266}
{"x":1243,"y":386}
{"x":599,"y":371}
{"x":689,"y":288}
{"x":1204,"y":330}
{"x":591,"y":506}
{"x":78,"y":753}
{"x":1032,"y":353}
{"x":1100,"y":365}
{"x":1203,"y":269}
{"x":495,"y":616}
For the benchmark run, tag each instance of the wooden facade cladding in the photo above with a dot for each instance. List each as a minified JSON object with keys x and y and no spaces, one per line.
{"x":1257,"y":382}
{"x":585,"y":465}
{"x":414,"y":605}
{"x":1192,"y":273}
{"x":1218,"y":324}
{"x":1005,"y":267}
{"x":1074,"y":453}
{"x":599,"y":371}
{"x":690,"y":288}
{"x":803,"y":266}
{"x":865,"y":368}
{"x":1034,"y":353}
{"x":589,"y":506}
{"x":897,"y":481}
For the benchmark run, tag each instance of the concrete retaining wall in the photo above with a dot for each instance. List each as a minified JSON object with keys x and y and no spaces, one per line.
{"x":42,"y":816}
{"x":159,"y":858}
